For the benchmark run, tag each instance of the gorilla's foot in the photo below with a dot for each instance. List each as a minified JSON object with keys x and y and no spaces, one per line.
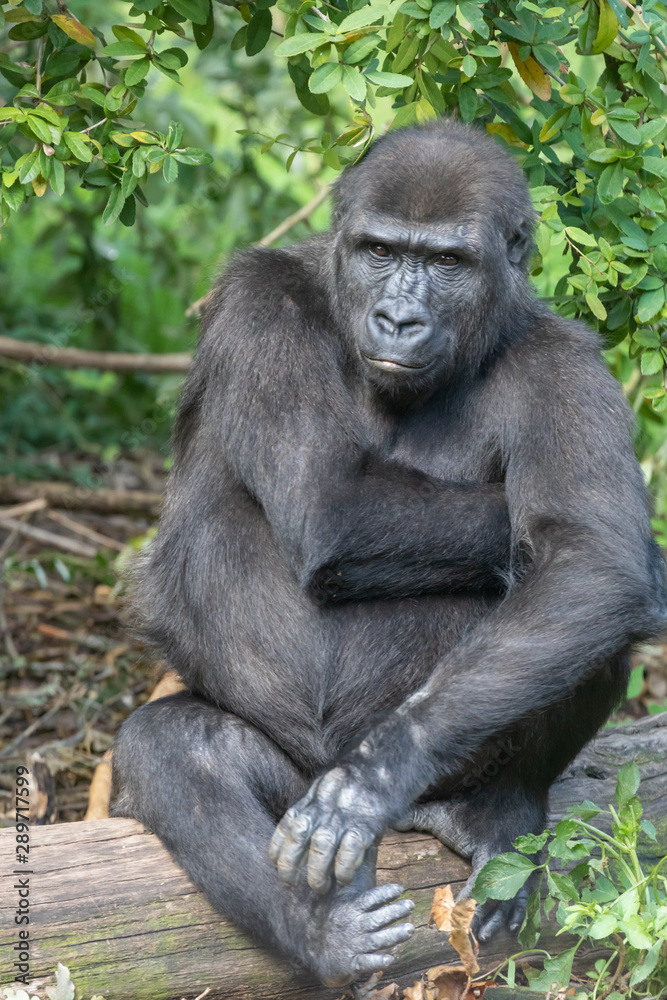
{"x":479,"y":829}
{"x":356,"y":934}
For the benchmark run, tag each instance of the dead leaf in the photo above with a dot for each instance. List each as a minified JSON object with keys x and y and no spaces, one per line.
{"x":73,"y":27}
{"x":461,"y":938}
{"x":455,"y":919}
{"x":531,"y":73}
{"x":415,"y":992}
{"x":451,"y":981}
{"x":390,"y":992}
{"x":441,"y":910}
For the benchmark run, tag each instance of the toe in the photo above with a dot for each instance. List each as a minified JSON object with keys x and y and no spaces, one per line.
{"x":388,"y":914}
{"x":491,"y":924}
{"x":380,"y":894}
{"x":372,"y":962}
{"x":391,"y":936}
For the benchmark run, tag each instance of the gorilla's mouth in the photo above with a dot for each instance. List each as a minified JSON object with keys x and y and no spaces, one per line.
{"x":390,"y":364}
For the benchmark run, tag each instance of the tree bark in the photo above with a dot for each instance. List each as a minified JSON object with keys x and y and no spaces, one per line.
{"x":108,"y":902}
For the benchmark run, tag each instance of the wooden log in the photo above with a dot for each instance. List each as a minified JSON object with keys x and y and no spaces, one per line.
{"x":108,"y":902}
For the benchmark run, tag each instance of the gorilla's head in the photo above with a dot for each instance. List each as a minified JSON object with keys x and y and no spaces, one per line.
{"x":433,"y":233}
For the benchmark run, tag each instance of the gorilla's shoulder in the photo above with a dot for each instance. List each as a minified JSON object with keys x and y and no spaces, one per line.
{"x":554,"y":339}
{"x":261,"y":278}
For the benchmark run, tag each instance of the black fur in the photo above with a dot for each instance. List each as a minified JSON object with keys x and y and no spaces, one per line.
{"x":404,"y":553}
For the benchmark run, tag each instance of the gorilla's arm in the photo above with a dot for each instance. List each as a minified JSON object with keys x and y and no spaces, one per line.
{"x":595,"y":585}
{"x":267,"y":394}
{"x":396,"y":532}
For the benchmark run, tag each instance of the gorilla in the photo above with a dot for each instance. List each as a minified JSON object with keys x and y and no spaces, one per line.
{"x":404,"y":537}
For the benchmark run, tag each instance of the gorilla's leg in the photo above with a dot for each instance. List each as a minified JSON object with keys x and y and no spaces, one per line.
{"x":211,"y":787}
{"x":505,"y":794}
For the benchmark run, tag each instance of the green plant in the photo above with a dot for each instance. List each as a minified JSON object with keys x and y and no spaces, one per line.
{"x":608,"y":898}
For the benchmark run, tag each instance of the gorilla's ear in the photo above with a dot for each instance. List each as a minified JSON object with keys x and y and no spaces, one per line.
{"x":520,"y":241}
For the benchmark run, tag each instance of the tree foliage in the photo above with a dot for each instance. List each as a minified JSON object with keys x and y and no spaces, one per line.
{"x":577,"y":91}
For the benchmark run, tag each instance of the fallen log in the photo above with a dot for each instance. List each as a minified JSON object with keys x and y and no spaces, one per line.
{"x":108,"y":902}
{"x":71,"y":497}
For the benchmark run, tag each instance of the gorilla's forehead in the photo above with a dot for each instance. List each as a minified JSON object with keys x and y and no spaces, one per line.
{"x":436,"y":235}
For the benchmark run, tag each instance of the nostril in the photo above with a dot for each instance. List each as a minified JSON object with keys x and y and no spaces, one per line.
{"x":411,"y":327}
{"x":385,"y":324}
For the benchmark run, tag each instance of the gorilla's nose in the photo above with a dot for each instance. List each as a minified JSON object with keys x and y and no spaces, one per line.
{"x":402,"y":319}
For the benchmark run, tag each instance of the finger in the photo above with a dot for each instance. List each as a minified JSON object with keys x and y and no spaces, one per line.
{"x":328,"y":787}
{"x":392,"y":935}
{"x":372,"y":963}
{"x":388,"y":914}
{"x":321,"y":856}
{"x":373,"y":898}
{"x":293,"y":850}
{"x":351,"y":855}
{"x":277,"y":840}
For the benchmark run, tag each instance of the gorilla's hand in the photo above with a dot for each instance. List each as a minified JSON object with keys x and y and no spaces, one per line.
{"x":333,"y":825}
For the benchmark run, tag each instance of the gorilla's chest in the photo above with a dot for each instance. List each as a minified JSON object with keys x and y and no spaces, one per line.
{"x":452,"y":442}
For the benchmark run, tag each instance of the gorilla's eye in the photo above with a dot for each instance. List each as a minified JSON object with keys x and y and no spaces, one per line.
{"x":379,"y":250}
{"x":447,"y":259}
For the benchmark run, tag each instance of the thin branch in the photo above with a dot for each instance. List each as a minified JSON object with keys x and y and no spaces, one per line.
{"x":83,"y":529}
{"x":49,"y":538}
{"x":91,"y":127}
{"x":70,"y":357}
{"x":299,"y":216}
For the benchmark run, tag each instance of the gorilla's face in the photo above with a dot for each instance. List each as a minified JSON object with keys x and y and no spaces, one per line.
{"x":416,"y":297}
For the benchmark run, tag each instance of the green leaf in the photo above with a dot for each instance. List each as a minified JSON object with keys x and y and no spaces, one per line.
{"x":57,"y":178}
{"x":604,"y":155}
{"x":649,"y":830}
{"x":137,"y":71}
{"x":203,"y":33}
{"x":113,"y":206}
{"x":643,"y":971}
{"x":595,"y":305}
{"x":607,"y":28}
{"x":442,"y":13}
{"x":194,"y":10}
{"x":572,"y":94}
{"x":469,"y":65}
{"x":39,"y":128}
{"x":29,"y":168}
{"x":650,"y":304}
{"x":635,"y":931}
{"x":357,"y":51}
{"x":603,"y":926}
{"x":354,"y":83}
{"x":78,"y":146}
{"x":531,"y":843}
{"x":259,"y":32}
{"x":325,"y":78}
{"x":468,"y":102}
{"x":125,"y":34}
{"x":193,"y":156}
{"x":170,"y":169}
{"x":556,"y":973}
{"x":553,"y":124}
{"x":502,"y":877}
{"x":124,"y":50}
{"x":627,"y":783}
{"x":580,"y":236}
{"x":305,"y":42}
